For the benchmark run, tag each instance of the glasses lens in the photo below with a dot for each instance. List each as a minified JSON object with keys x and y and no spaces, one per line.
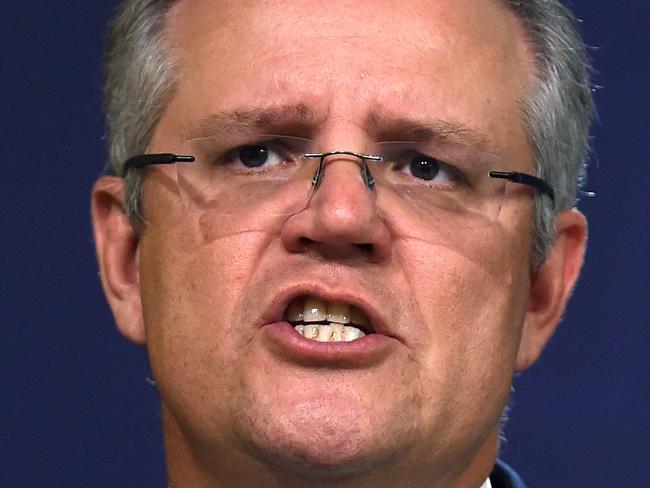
{"x":442,"y":187}
{"x":246,"y":186}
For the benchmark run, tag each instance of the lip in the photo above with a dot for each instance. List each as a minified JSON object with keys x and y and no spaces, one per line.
{"x":290,"y":345}
{"x":285,"y":342}
{"x":282,"y":300}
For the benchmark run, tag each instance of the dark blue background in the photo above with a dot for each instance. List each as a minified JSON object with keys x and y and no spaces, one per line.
{"x":76,"y":409}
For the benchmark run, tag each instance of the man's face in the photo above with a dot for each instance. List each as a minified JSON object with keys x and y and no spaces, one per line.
{"x":429,"y":391}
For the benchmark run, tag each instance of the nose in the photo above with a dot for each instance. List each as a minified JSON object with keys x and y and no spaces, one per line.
{"x":341,"y":219}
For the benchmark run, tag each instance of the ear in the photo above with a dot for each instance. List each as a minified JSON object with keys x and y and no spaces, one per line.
{"x":117,"y":243}
{"x":551,"y":286}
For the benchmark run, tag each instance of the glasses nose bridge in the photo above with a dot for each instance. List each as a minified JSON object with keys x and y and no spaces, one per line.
{"x":361,"y":158}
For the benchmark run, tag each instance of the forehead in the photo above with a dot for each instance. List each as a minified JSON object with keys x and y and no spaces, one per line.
{"x":463,"y":61}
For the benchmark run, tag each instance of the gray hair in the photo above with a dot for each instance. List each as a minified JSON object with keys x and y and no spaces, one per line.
{"x":139,"y":82}
{"x":558,"y":111}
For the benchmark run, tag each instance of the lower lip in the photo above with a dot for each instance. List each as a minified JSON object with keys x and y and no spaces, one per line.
{"x":293,"y":346}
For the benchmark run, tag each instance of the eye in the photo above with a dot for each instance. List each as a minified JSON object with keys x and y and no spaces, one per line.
{"x":256,"y":156}
{"x":424,"y":167}
{"x":429,"y":170}
{"x":271,"y":155}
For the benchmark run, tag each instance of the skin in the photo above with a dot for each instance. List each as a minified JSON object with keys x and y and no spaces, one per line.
{"x":466,"y":314}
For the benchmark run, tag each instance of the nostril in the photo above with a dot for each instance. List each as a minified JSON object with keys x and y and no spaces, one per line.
{"x":367,"y":248}
{"x":319,"y":232}
{"x":304,"y":243}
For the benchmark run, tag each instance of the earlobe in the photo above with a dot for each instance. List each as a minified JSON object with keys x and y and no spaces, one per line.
{"x":551,"y":286}
{"x":116,"y":244}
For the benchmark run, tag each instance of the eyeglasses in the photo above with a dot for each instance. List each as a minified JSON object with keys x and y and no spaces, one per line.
{"x":274,"y":176}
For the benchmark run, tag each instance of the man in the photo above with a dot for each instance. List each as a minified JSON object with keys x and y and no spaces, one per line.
{"x":336,"y":249}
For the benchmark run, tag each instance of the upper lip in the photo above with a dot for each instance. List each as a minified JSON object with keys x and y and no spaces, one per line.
{"x":280,"y":302}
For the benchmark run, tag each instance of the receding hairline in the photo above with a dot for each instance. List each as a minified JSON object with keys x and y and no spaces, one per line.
{"x":413,"y":128}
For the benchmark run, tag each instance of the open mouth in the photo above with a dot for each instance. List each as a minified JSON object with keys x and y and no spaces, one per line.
{"x":325,"y":321}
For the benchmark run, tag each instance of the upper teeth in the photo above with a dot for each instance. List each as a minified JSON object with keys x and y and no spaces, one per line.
{"x":335,"y":319}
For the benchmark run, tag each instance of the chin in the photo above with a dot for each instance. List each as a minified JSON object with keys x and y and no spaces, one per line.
{"x":323,"y":443}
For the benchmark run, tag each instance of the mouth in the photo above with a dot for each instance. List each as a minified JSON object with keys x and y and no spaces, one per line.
{"x":322,"y":326}
{"x":321,"y":320}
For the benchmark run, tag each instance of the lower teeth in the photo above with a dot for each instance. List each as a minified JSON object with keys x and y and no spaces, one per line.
{"x":331,"y":332}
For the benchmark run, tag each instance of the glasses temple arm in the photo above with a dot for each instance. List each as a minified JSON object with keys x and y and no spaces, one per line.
{"x":526,"y":179}
{"x":149,"y":159}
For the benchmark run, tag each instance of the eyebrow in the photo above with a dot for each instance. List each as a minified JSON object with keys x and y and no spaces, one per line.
{"x":301,"y":120}
{"x":272,"y":120}
{"x":445,"y":132}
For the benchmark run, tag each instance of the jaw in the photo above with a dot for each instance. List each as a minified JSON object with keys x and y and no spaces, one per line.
{"x":302,"y":422}
{"x":252,"y":466}
{"x":327,"y":423}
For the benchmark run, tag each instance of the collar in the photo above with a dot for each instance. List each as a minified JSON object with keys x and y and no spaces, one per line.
{"x":487,"y":484}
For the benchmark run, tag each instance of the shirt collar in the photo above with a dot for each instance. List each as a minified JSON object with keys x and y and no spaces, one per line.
{"x":487,"y":484}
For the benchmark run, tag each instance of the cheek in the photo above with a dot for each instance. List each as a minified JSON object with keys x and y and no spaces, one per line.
{"x":472,"y":302}
{"x":189,"y":292}
{"x":472,"y":314}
